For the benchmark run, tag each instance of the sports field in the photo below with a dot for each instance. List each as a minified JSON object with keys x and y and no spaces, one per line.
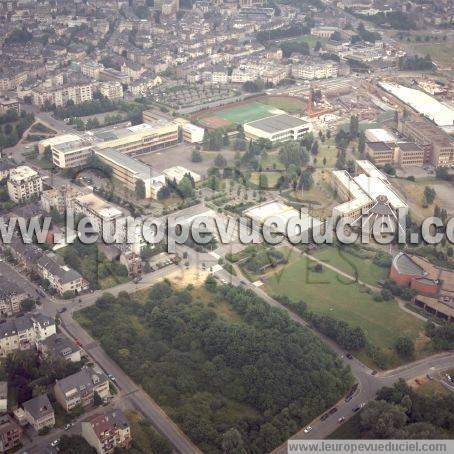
{"x":240,"y":114}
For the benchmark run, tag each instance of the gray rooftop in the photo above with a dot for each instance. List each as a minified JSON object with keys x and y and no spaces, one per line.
{"x":405,"y":265}
{"x":277,"y":123}
{"x":85,"y":379}
{"x":134,"y":165}
{"x":39,"y":406}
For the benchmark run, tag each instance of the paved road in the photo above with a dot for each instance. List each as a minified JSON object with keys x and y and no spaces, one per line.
{"x":137,"y":397}
{"x":368,"y":384}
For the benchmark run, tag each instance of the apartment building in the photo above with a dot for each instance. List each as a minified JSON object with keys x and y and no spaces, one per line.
{"x":60,"y":95}
{"x":39,"y":412}
{"x":10,"y":79}
{"x":79,"y":388}
{"x":59,"y":198}
{"x":113,"y":75}
{"x":111,"y":90}
{"x":102,"y":214}
{"x":61,"y":277}
{"x":59,"y":347}
{"x":22,"y":333}
{"x":9,"y":104}
{"x":10,"y":434}
{"x":91,"y":69}
{"x":11,"y":297}
{"x":311,"y":71}
{"x":107,"y":432}
{"x":24,"y":184}
{"x":129,"y":171}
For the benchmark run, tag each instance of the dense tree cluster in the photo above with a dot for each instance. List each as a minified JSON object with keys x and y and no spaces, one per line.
{"x":14,"y":127}
{"x":92,"y":264}
{"x":28,"y":375}
{"x":263,"y":376}
{"x":442,"y":336}
{"x":294,"y":47}
{"x":402,"y":413}
{"x":260,"y":258}
{"x":416,"y":63}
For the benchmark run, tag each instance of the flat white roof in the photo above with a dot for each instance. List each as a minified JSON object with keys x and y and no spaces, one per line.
{"x":178,"y":172}
{"x":57,"y":140}
{"x":354,"y":204}
{"x":369,"y":169}
{"x":349,"y":184}
{"x":423,"y":103}
{"x":22,"y":172}
{"x":285,"y":212}
{"x":375,"y":187}
{"x":193,"y":128}
{"x":380,"y":135}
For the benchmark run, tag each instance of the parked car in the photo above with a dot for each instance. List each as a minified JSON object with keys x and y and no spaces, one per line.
{"x":324,"y":417}
{"x":349,"y":356}
{"x":111,"y":377}
{"x":341,"y":420}
{"x":356,"y":409}
{"x":55,"y":443}
{"x":333,"y":410}
{"x":307,"y":429}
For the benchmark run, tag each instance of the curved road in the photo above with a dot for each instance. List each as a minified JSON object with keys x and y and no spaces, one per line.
{"x":368,"y":384}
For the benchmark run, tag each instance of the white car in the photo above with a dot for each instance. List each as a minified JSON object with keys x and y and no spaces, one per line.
{"x":55,"y":443}
{"x":307,"y":429}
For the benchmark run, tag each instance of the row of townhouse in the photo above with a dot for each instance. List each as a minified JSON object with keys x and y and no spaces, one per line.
{"x":61,"y":278}
{"x":24,"y":332}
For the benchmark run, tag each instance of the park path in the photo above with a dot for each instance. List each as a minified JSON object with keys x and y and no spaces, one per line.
{"x":400,"y":302}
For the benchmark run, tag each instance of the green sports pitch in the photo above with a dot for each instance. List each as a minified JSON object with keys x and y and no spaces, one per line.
{"x":241,"y":114}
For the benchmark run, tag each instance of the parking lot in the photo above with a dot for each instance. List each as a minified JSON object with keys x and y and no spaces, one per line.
{"x":180,"y":155}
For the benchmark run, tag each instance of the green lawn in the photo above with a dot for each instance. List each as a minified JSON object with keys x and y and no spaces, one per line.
{"x":326,"y":150}
{"x":290,"y":105}
{"x":328,"y":293}
{"x":271,"y":161}
{"x":441,"y":52}
{"x":351,"y":264}
{"x":309,"y":39}
{"x":272,"y":178}
{"x":248,"y":112}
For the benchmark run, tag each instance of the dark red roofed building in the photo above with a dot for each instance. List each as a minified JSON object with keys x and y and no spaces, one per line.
{"x":434,"y":285}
